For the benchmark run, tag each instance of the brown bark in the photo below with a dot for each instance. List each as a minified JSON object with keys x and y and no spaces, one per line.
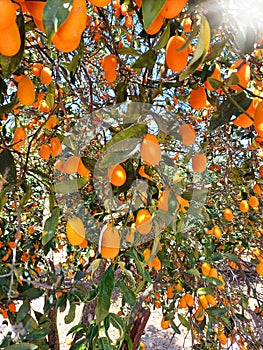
{"x":53,"y":337}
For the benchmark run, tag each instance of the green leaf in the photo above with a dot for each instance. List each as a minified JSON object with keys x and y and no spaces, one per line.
{"x":38,"y":334}
{"x":121,"y":92}
{"x":216,"y":84}
{"x":200,"y":51}
{"x":150,"y":10}
{"x":54,"y":15}
{"x":203,"y":41}
{"x":10,"y":63}
{"x":50,"y":97}
{"x":78,"y":328}
{"x":163,"y":38}
{"x":23,"y":311}
{"x":104,"y":344}
{"x":127,"y":292}
{"x":174,"y":327}
{"x":193,"y":272}
{"x":184,"y":321}
{"x":231,"y":257}
{"x":3,"y":197}
{"x":117,"y":323}
{"x":228,"y":109}
{"x":213,"y":280}
{"x":70,"y":186}
{"x":22,"y":346}
{"x":71,"y":314}
{"x":133,"y":131}
{"x":104,"y":295}
{"x":119,"y":152}
{"x":204,"y":290}
{"x":128,"y":51}
{"x":216,"y":256}
{"x":50,"y":226}
{"x":215,"y":51}
{"x":7,"y":166}
{"x":147,"y":59}
{"x":28,"y":192}
{"x":32,"y":293}
{"x":216,"y":311}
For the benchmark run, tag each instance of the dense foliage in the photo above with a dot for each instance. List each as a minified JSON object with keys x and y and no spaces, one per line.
{"x":131,"y":147}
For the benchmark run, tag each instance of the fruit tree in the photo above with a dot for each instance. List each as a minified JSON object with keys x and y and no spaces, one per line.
{"x":131,"y":162}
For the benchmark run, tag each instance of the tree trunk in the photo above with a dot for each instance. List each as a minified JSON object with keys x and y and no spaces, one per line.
{"x":53,"y":337}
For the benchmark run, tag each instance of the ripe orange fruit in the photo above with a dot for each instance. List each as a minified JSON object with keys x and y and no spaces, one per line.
{"x":56,"y":147}
{"x":8,"y":14}
{"x":156,"y":25}
{"x":176,"y":60}
{"x":75,"y":231}
{"x":150,"y":150}
{"x":165,"y":323}
{"x":189,"y":300}
{"x":109,"y":242}
{"x":182,"y":303}
{"x":188,"y":134}
{"x":26,"y":91}
{"x":12,"y":307}
{"x":222,"y":338}
{"x":109,"y":62}
{"x":170,"y":292}
{"x":163,"y":201}
{"x":10,"y":40}
{"x":156,"y":264}
{"x":35,"y":8}
{"x":200,"y":313}
{"x":253,"y":201}
{"x":146,"y":254}
{"x":199,"y":162}
{"x":36,"y":69}
{"x":65,"y":45}
{"x":223,"y":282}
{"x":206,"y":268}
{"x":51,"y":122}
{"x":100,"y":3}
{"x":228,"y":214}
{"x":257,"y":189}
{"x":213,"y":273}
{"x":258,"y":119}
{"x":242,"y":71}
{"x":69,"y":33}
{"x":82,"y":170}
{"x":217,"y":232}
{"x":19,"y":138}
{"x":198,"y":98}
{"x":46,"y":76}
{"x":203,"y":301}
{"x":143,"y":221}
{"x":210,"y":299}
{"x":110,"y":75}
{"x":172,"y":8}
{"x":215,"y":75}
{"x":117,"y":175}
{"x":243,"y":120}
{"x":45,"y":151}
{"x":71,"y":165}
{"x":259,"y":268}
{"x":244,"y":206}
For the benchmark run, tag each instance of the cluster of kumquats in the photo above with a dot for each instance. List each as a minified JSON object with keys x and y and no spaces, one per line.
{"x":150,"y":152}
{"x":96,"y":46}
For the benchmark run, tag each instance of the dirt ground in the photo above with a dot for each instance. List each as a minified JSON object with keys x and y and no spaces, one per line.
{"x":154,"y":337}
